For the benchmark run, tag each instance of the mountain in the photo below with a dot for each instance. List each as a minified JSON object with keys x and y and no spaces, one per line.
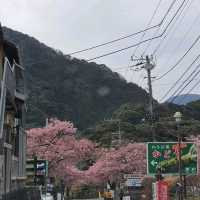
{"x":184,"y":99}
{"x":69,"y":88}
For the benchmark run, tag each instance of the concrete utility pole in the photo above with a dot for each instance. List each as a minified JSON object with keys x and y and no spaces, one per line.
{"x":148,"y":64}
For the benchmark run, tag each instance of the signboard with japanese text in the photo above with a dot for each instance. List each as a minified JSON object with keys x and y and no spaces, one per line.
{"x":42,"y":167}
{"x":134,"y":175}
{"x":133,"y":182}
{"x":165,"y":156}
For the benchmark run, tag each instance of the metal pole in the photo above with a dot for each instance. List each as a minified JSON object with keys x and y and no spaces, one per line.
{"x":180,"y":166}
{"x":35,"y":170}
{"x":185,"y":189}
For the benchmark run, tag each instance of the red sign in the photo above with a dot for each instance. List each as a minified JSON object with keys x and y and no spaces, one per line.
{"x":162,"y":190}
{"x":156,"y":154}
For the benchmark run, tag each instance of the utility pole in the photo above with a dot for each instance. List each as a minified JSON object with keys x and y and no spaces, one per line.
{"x":148,"y":64}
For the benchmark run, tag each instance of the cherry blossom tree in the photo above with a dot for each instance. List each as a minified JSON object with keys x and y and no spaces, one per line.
{"x":111,"y":164}
{"x":57,"y":144}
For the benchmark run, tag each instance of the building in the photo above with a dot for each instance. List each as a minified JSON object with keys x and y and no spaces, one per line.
{"x":12,"y":109}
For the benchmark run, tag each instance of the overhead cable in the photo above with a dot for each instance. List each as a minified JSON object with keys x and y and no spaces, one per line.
{"x":182,"y":41}
{"x":192,"y":79}
{"x":149,"y":23}
{"x":157,"y":30}
{"x":182,"y":75}
{"x":189,"y":92}
{"x":163,"y":39}
{"x":115,"y":40}
{"x":180,"y":59}
{"x":144,"y":41}
{"x":127,"y":36}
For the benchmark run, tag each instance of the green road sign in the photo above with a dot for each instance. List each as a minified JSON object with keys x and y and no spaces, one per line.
{"x":164,"y":155}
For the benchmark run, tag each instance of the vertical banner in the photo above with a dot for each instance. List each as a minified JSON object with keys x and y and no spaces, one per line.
{"x":162,"y":190}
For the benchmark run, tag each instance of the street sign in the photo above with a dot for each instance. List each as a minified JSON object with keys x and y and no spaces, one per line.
{"x":133,"y":182}
{"x":133,"y":175}
{"x":165,"y":156}
{"x":42,"y":167}
{"x":36,"y":171}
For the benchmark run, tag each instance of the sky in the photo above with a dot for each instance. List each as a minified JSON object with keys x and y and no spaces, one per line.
{"x":71,"y":25}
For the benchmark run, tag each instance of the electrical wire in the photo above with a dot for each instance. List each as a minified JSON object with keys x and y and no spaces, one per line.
{"x":125,"y":37}
{"x":185,"y":95}
{"x":182,"y":41}
{"x":181,"y":12}
{"x":149,"y":23}
{"x":144,"y":41}
{"x":184,"y":36}
{"x":179,"y":61}
{"x":115,"y":40}
{"x":159,"y":24}
{"x":183,"y":74}
{"x":157,"y":30}
{"x":185,"y":81}
{"x":192,"y":79}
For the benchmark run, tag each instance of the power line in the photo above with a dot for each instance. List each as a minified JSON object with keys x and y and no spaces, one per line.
{"x":149,"y":23}
{"x":159,"y":24}
{"x":115,"y":40}
{"x":179,"y":61}
{"x":185,"y":95}
{"x":182,"y":41}
{"x":123,"y":49}
{"x":144,"y":41}
{"x":184,"y":36}
{"x":183,"y":74}
{"x":157,"y":30}
{"x":163,"y":39}
{"x":187,"y":79}
{"x":125,"y":37}
{"x":187,"y":83}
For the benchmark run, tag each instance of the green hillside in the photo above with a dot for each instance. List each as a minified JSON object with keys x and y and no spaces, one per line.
{"x":71,"y":89}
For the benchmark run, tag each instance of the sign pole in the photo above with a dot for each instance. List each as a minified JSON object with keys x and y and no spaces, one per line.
{"x":180,"y":167}
{"x":185,"y":189}
{"x":35,"y":170}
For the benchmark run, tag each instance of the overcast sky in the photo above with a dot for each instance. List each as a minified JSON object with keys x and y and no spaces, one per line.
{"x":71,"y":25}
